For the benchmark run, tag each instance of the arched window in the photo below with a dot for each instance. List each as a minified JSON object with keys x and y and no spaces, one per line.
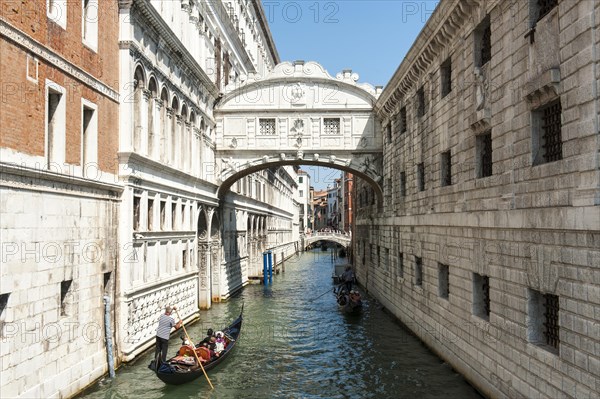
{"x":138,"y":87}
{"x":184,"y":144}
{"x":164,"y":124}
{"x":174,"y":139}
{"x":152,"y":87}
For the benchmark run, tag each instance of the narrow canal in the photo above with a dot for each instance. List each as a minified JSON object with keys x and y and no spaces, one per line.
{"x":296,"y":346}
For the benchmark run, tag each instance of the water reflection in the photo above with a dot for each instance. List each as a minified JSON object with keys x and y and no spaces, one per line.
{"x":295,"y":344}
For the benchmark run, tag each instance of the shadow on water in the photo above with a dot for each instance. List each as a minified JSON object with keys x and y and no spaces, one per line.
{"x":295,"y":346}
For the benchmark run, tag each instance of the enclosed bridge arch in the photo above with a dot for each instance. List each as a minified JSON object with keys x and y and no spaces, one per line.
{"x":299,"y":115}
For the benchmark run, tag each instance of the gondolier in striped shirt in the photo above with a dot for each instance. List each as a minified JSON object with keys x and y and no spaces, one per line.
{"x":165,"y":323}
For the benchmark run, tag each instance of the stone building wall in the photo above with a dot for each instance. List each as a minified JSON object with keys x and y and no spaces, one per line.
{"x":529,"y":230}
{"x":59,"y":194}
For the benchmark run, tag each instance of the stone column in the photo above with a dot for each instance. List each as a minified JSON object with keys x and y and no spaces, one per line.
{"x":204,"y":261}
{"x":168,"y":133}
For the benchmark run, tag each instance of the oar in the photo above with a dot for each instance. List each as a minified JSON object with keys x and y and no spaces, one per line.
{"x":194,"y":350}
{"x":325,"y":293}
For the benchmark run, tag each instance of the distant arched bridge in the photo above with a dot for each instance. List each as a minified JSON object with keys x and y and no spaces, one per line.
{"x":340,"y":238}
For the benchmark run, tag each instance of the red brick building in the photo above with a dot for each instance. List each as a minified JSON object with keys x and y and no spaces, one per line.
{"x":59,"y":120}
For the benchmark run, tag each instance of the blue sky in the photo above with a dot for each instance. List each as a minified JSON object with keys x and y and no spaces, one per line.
{"x":370,"y":37}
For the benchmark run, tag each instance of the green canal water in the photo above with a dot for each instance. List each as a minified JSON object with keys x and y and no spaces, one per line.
{"x":292,"y":347}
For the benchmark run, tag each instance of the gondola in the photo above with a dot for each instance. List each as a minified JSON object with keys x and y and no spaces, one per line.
{"x":177,"y":372}
{"x":348,"y":302}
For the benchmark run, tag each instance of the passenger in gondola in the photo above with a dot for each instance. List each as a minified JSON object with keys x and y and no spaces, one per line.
{"x":219,"y":343}
{"x":209,"y":335}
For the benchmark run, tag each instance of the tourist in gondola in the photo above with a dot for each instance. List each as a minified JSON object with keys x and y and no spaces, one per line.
{"x":209,"y":334}
{"x":165,"y":323}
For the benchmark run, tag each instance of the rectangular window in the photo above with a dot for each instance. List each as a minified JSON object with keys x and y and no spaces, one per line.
{"x":150,"y":214}
{"x":420,"y":102}
{"x":266,"y":127}
{"x":300,"y":179}
{"x":402,"y":119}
{"x":331,"y":126}
{"x":483,"y":42}
{"x":481,"y":296}
{"x":483,"y":149}
{"x":89,"y":139}
{"x":163,"y":215}
{"x":388,"y":130}
{"x":421,"y":176}
{"x":136,"y":212}
{"x":301,"y":193}
{"x":418,"y":271}
{"x":403,"y":184}
{"x":56,"y":11}
{"x":446,"y":76}
{"x":89,"y":23}
{"x":66,"y":297}
{"x":547,"y":133}
{"x":542,"y":320}
{"x":173,"y":215}
{"x":184,"y":257}
{"x":55,"y":126}
{"x":443,"y":280}
{"x":3,"y":304}
{"x":446,"y":168}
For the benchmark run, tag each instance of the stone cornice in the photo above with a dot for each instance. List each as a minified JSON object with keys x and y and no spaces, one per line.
{"x":94,"y":188}
{"x":177,"y":49}
{"x":56,"y":60}
{"x":438,"y":33}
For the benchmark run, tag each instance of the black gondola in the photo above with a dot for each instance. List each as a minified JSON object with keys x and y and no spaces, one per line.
{"x":173,"y":372}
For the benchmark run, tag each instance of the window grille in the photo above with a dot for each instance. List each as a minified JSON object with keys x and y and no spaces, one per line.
{"x":418,"y":271}
{"x":485,"y":154}
{"x":421,"y":176}
{"x":551,"y":320}
{"x":486,"y":45}
{"x":402,"y":184}
{"x":446,"y":71}
{"x":545,"y":6}
{"x":551,"y":128}
{"x":331,"y":125}
{"x":444,"y":280}
{"x":267,"y":127}
{"x":485,"y":288}
{"x":401,"y":265}
{"x":446,"y":169}
{"x":420,"y":102}
{"x":403,"y":120}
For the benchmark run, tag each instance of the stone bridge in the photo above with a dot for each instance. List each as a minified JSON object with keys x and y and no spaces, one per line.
{"x":340,"y":238}
{"x":299,"y":115}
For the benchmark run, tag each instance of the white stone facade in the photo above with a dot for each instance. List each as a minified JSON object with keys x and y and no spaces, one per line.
{"x":475,"y":242}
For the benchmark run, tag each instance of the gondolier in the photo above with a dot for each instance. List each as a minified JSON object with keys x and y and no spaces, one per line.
{"x":165,"y":323}
{"x":348,"y":279}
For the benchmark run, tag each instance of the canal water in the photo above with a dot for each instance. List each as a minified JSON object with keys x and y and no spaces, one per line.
{"x":295,"y":345}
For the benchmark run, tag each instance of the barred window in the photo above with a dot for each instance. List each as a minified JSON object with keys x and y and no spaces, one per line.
{"x":418,"y":271}
{"x":446,"y":72}
{"x":547,"y":133}
{"x":421,"y":176}
{"x":402,"y":118}
{"x":388,"y":130}
{"x":543,"y":320}
{"x":446,"y":168}
{"x":481,"y":296}
{"x":420,"y":102}
{"x":401,"y":265}
{"x":443,"y":280}
{"x":267,"y":126}
{"x":331,"y":125}
{"x":484,"y":154}
{"x":403,"y":184}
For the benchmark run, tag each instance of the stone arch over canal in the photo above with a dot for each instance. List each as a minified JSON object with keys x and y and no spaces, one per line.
{"x":299,"y":115}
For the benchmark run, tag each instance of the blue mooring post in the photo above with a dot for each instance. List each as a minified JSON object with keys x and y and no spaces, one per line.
{"x":265,"y":267}
{"x":270,"y":267}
